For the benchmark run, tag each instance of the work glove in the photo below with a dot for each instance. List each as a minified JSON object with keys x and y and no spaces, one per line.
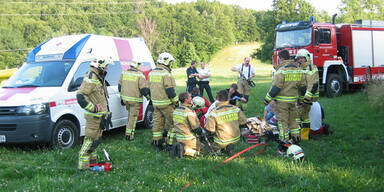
{"x":236,"y":98}
{"x":122,"y":102}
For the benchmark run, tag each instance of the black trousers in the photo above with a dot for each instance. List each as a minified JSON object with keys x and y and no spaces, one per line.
{"x":190,"y":86}
{"x":205,"y":85}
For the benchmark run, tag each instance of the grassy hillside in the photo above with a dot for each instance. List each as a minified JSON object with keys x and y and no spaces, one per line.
{"x":349,"y":160}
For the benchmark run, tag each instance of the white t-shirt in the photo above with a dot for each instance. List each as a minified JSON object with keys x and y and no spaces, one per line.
{"x":315,"y":116}
{"x":204,"y":72}
{"x":245,"y":70}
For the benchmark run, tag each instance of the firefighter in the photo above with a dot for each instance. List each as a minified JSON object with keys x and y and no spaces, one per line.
{"x":132,"y":87}
{"x":311,"y":92}
{"x":246,"y":73}
{"x":92,"y":96}
{"x":224,"y":122}
{"x":163,"y":95}
{"x":285,"y":90}
{"x":185,"y":122}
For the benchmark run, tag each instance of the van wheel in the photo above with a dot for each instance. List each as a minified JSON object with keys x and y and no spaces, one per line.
{"x":148,"y":118}
{"x":65,"y":135}
{"x":334,"y":86}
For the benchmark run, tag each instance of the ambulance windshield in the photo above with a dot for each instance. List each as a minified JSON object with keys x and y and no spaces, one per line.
{"x":294,"y":38}
{"x":41,"y":74}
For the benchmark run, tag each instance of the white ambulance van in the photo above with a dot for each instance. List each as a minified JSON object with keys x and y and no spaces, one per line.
{"x":38,"y":102}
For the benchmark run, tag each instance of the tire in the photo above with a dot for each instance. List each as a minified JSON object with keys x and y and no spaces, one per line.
{"x":148,"y":118}
{"x":334,"y":86}
{"x":65,"y":135}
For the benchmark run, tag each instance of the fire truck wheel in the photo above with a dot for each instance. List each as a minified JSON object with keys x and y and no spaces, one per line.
{"x":334,"y":86}
{"x":148,"y":118}
{"x":65,"y":135}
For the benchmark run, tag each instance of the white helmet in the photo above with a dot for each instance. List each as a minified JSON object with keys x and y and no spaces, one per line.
{"x":303,"y":53}
{"x":165,"y":59}
{"x":101,"y":63}
{"x":134,"y":63}
{"x":295,"y":151}
{"x":198,"y":102}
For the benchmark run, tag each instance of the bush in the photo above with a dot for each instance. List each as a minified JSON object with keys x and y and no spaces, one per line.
{"x":375,"y":93}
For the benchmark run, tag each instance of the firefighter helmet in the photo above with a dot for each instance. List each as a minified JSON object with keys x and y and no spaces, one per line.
{"x":134,"y":63}
{"x":295,"y":151}
{"x":101,"y":63}
{"x":303,"y":53}
{"x":198,"y":102}
{"x":165,"y":59}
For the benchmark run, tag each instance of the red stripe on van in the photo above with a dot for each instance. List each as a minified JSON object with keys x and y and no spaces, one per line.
{"x":124,"y":50}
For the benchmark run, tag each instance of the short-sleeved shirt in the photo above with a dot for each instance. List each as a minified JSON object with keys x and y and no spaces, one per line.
{"x":316,"y":116}
{"x":190,"y":71}
{"x":246,"y":69}
{"x":204,"y":72}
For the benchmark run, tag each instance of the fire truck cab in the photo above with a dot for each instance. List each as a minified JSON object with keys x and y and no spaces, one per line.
{"x":345,"y":54}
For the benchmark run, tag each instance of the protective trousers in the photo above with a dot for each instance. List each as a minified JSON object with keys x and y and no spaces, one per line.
{"x":303,"y":120}
{"x":286,"y":115}
{"x":92,"y":140}
{"x":192,"y":147}
{"x":163,"y":121}
{"x":244,"y":89}
{"x":133,"y":109}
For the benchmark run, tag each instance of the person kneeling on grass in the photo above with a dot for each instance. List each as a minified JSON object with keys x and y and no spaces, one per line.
{"x":318,"y":127}
{"x":185,"y":122}
{"x":224,"y":122}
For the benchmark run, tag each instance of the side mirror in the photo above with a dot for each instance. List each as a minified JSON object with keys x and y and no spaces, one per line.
{"x":74,"y":85}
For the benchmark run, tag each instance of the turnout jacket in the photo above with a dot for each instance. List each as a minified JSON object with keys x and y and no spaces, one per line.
{"x":93,"y":91}
{"x":286,"y":83}
{"x":224,"y":121}
{"x":312,"y":81}
{"x":162,"y":86}
{"x":133,"y":85}
{"x":185,"y":120}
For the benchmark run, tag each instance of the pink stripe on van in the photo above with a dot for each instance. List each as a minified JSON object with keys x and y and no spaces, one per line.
{"x":124,"y":50}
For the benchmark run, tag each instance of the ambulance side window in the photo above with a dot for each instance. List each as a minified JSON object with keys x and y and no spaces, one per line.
{"x":113,"y":74}
{"x":78,"y":76}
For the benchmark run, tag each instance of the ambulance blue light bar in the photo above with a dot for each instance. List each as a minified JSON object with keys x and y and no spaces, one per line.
{"x":70,"y":54}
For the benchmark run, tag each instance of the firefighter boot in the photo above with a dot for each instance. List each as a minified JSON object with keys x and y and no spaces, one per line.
{"x":176,"y":150}
{"x":230,"y":149}
{"x":158,"y":144}
{"x":130,"y":137}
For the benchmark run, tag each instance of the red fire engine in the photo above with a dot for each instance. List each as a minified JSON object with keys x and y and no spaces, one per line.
{"x":345,"y":54}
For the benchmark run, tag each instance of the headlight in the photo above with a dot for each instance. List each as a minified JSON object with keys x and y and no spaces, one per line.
{"x":33,"y":109}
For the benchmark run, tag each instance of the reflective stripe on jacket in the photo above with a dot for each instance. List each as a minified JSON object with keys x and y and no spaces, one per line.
{"x":288,"y":79}
{"x":224,"y":122}
{"x":94,"y":90}
{"x":131,"y":82}
{"x":184,"y":121}
{"x":159,"y":80}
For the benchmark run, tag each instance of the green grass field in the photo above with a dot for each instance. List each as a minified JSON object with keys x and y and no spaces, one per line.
{"x":349,"y":160}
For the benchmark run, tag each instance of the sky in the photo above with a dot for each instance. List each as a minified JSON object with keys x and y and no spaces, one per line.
{"x":331,"y":6}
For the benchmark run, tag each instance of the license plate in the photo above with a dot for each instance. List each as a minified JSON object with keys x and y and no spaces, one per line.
{"x":2,"y":138}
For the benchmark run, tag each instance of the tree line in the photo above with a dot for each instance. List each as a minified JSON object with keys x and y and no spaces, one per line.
{"x":190,"y":31}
